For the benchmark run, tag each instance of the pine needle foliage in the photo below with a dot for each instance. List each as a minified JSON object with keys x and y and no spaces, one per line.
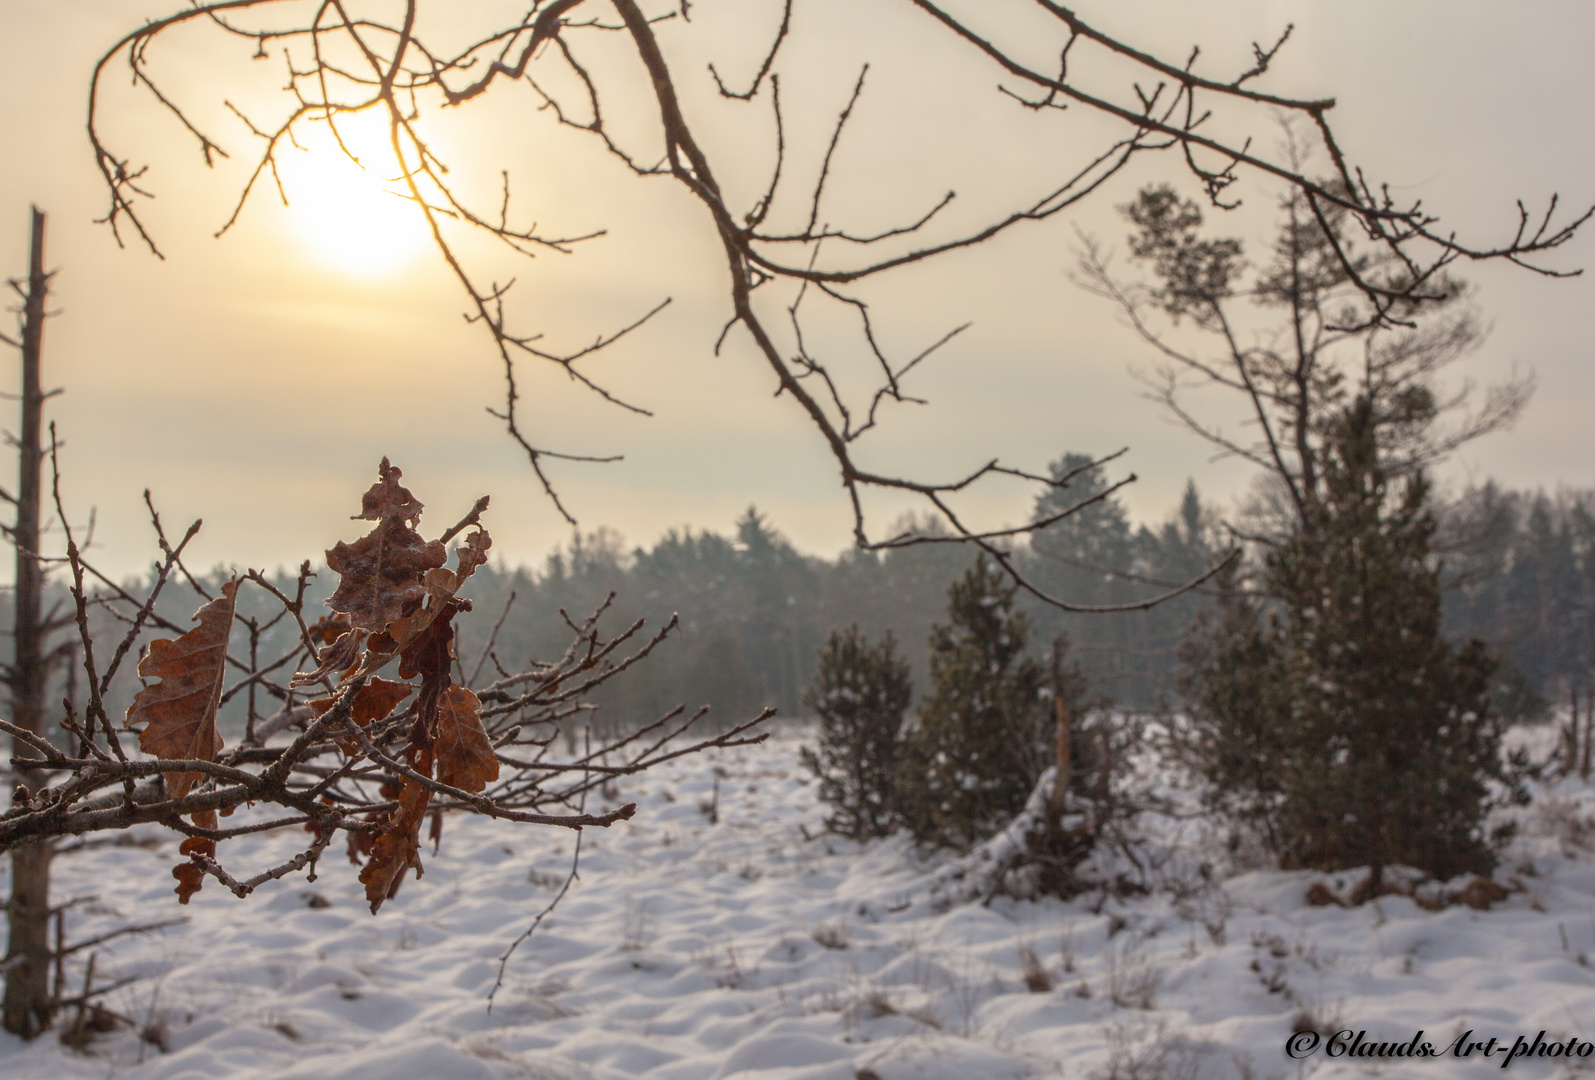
{"x":985,"y":733}
{"x":1340,"y":721}
{"x":860,"y":693}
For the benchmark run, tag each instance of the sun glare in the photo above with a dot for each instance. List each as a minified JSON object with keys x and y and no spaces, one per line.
{"x":354,"y":219}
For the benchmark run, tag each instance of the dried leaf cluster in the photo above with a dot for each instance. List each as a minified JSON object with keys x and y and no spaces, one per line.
{"x":349,"y":751}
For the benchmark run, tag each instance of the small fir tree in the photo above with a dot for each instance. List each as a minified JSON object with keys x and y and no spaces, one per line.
{"x":1355,"y":733}
{"x":860,"y":694}
{"x":1237,"y":706}
{"x":987,"y":731}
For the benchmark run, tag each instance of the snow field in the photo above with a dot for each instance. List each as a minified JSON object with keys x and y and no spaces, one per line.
{"x":756,"y":947}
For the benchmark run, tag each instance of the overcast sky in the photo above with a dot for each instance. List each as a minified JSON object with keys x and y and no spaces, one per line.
{"x":256,"y":380}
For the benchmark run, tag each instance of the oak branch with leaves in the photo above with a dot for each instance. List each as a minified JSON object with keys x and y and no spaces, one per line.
{"x":350,"y":752}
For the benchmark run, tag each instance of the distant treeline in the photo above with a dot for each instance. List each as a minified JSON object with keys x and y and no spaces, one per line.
{"x":754,"y":612}
{"x":1521,"y":570}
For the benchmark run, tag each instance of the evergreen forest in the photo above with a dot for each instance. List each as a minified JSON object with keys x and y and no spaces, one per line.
{"x":1518,"y":570}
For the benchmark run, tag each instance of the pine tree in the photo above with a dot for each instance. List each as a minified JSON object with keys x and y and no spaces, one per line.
{"x":1327,"y":708}
{"x":1344,"y":722}
{"x":1095,"y":557}
{"x":782,"y":588}
{"x":985,"y":734}
{"x":1237,"y":707}
{"x":860,"y":694}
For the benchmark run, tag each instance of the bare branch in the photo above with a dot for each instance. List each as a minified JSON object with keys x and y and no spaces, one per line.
{"x":388,"y":66}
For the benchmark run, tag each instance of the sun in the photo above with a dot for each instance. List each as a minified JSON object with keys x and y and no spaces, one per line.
{"x":352,"y":215}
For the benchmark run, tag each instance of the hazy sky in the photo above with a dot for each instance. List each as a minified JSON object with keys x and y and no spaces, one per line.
{"x":256,"y":380}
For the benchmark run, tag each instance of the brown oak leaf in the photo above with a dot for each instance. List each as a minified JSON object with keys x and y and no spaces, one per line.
{"x":372,"y":702}
{"x":471,"y":555}
{"x":178,"y":713}
{"x":340,"y":658}
{"x":464,"y":754}
{"x":430,"y":655}
{"x":387,"y":498}
{"x":359,"y":846}
{"x":398,"y":847}
{"x":329,"y":628}
{"x":189,"y":875}
{"x":381,"y":573}
{"x":361,"y":843}
{"x":440,"y":585}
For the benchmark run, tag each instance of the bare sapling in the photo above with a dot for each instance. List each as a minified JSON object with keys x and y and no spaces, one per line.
{"x":28,"y":998}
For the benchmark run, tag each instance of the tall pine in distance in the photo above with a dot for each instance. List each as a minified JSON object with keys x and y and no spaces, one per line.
{"x":1522,"y":569}
{"x":1096,"y":556}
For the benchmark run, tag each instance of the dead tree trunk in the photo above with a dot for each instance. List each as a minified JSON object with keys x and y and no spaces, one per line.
{"x":1582,"y":759}
{"x":1578,"y":733}
{"x":1060,"y":705}
{"x":27,"y":963}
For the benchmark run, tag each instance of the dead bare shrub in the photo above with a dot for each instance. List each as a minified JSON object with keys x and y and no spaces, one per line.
{"x":1133,"y":982}
{"x":831,"y":935}
{"x":1032,"y":973}
{"x":1144,"y":1052}
{"x":1481,"y":893}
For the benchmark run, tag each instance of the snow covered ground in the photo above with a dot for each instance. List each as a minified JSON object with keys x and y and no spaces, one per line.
{"x":756,"y":947}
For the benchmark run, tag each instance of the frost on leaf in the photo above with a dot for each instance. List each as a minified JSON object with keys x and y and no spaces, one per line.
{"x":399,"y":846}
{"x":440,"y":586}
{"x":339,"y":658}
{"x":393,"y":585}
{"x":372,"y":702}
{"x":382,"y":572}
{"x":464,"y":754}
{"x":178,"y":714}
